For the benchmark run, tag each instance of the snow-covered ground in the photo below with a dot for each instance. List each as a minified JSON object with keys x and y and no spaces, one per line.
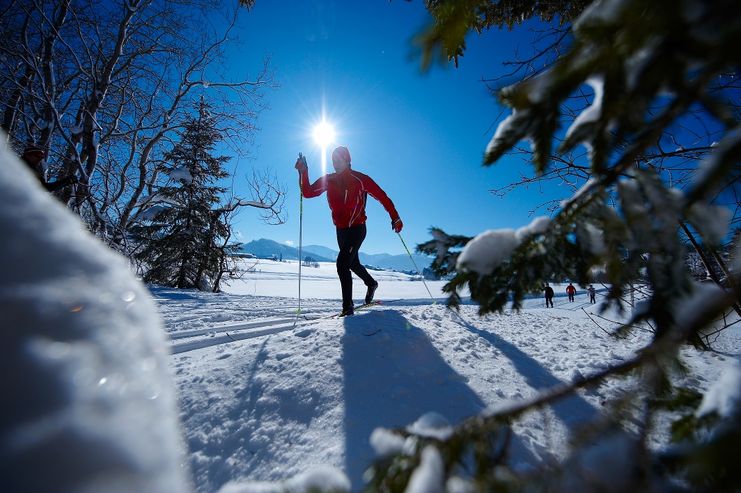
{"x":264,"y":393}
{"x":263,"y":398}
{"x":271,"y":278}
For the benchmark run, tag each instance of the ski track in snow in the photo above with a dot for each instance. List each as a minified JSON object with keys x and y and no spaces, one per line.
{"x":272,"y":400}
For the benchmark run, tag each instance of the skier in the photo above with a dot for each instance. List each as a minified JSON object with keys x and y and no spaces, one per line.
{"x":347,"y":191}
{"x":548,"y":296}
{"x":592,"y":292}
{"x":571,"y":291}
{"x":33,"y":157}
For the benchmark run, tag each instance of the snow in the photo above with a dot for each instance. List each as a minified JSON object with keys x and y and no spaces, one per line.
{"x":386,"y":442}
{"x":489,"y":249}
{"x":538,"y":225}
{"x":594,"y":239}
{"x":588,"y":185}
{"x":90,"y":403}
{"x":273,"y":278}
{"x":431,"y":425}
{"x":711,"y":220}
{"x":181,"y":174}
{"x":271,"y":400}
{"x":428,"y":477}
{"x":724,"y":396}
{"x":600,"y":12}
{"x":503,"y":128}
{"x":637,"y":63}
{"x":538,"y":86}
{"x":253,"y":203}
{"x":702,"y":294}
{"x":607,"y":466}
{"x":331,"y":391}
{"x":514,"y":124}
{"x":151,"y":213}
{"x":327,"y":478}
{"x":593,"y":112}
{"x":157,"y":198}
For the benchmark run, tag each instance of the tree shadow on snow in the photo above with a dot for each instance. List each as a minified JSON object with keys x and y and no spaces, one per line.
{"x":393,"y":374}
{"x":573,"y":411}
{"x":162,"y":293}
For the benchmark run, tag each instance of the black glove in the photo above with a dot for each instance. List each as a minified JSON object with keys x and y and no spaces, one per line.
{"x":301,"y":165}
{"x":397,"y":225}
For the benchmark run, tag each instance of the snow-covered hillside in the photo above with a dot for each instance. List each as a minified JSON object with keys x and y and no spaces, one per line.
{"x":263,"y":399}
{"x":271,"y":278}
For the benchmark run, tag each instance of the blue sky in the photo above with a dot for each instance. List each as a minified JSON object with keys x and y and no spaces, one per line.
{"x":421,"y":137}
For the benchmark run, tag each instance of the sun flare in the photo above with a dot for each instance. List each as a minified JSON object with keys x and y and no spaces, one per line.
{"x":324,"y":134}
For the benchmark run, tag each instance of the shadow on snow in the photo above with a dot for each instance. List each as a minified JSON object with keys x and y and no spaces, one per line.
{"x":573,"y":411}
{"x":393,"y":376}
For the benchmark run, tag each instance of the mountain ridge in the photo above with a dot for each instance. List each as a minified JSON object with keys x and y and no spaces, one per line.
{"x":266,"y":248}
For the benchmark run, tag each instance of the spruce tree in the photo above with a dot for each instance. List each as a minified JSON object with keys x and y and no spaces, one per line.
{"x":184,"y":240}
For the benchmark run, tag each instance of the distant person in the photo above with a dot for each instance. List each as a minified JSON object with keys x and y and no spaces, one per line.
{"x":571,"y":291}
{"x":347,"y":191}
{"x":548,"y":296}
{"x":592,"y":294}
{"x":34,"y":156}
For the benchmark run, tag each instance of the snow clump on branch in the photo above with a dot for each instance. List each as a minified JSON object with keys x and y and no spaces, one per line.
{"x":429,"y":475}
{"x":724,"y":396}
{"x":182,"y":174}
{"x":491,"y":248}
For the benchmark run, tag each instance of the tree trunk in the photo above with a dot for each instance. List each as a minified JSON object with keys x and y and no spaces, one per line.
{"x":706,"y":262}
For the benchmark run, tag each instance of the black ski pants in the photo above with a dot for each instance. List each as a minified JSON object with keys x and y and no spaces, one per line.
{"x":349,"y":241}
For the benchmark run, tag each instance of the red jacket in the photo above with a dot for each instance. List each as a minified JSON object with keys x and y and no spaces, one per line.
{"x":347,"y":192}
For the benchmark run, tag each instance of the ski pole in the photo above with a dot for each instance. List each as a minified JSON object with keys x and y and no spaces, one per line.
{"x":300,"y":232}
{"x":415,"y":266}
{"x":455,"y":312}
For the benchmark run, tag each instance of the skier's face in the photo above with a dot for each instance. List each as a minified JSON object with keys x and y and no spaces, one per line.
{"x":340,"y":163}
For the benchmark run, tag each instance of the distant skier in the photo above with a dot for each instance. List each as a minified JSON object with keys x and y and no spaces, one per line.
{"x":34,"y":156}
{"x":592,"y":294}
{"x":347,"y":191}
{"x":571,"y":291}
{"x":548,"y":296}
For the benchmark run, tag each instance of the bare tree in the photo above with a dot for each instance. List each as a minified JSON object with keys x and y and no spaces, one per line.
{"x":104,"y":86}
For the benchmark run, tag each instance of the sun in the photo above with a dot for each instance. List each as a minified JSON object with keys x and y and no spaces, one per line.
{"x":324,"y":134}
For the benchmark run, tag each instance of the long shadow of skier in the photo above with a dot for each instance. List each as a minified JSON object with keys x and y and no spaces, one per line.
{"x":573,"y":411}
{"x":393,"y":375}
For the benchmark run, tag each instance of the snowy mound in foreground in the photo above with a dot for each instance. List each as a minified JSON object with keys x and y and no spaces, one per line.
{"x":89,"y":404}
